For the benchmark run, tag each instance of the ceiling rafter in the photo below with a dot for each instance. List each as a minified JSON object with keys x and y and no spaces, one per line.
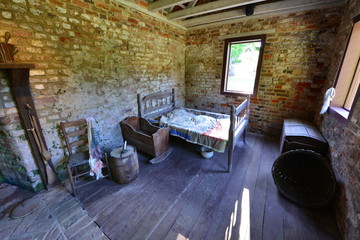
{"x":216,"y":17}
{"x":193,"y":3}
{"x":163,"y":4}
{"x":262,"y":10}
{"x":209,"y":8}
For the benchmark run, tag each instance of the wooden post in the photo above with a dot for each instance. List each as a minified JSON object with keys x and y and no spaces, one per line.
{"x":231,"y":137}
{"x":139,"y":105}
{"x":173,"y":96}
{"x":247,"y":115}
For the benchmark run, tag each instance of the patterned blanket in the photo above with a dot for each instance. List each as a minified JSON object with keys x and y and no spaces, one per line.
{"x":204,"y":128}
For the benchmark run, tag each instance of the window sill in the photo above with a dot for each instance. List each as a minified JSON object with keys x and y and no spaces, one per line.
{"x":340,"y":114}
{"x":237,"y":94}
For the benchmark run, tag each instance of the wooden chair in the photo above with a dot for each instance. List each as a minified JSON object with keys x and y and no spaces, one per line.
{"x":146,"y":137}
{"x":76,"y":137}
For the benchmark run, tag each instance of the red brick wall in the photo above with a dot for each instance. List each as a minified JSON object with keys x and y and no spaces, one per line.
{"x":344,"y":140}
{"x":294,"y":69}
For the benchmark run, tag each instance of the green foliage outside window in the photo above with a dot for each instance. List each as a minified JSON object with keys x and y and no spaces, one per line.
{"x":240,"y":48}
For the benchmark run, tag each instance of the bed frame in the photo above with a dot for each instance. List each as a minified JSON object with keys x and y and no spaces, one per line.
{"x":156,"y":104}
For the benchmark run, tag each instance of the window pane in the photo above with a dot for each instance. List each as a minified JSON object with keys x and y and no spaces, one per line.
{"x":348,"y":71}
{"x":242,"y":68}
{"x":242,"y":65}
{"x":353,"y":89}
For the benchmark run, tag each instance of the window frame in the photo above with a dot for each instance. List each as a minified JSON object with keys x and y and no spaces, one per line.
{"x":340,"y":112}
{"x":225,"y":66}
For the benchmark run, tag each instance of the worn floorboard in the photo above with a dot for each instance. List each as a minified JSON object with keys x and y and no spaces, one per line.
{"x":213,"y":206}
{"x":189,"y":197}
{"x":257,"y":204}
{"x":273,"y":207}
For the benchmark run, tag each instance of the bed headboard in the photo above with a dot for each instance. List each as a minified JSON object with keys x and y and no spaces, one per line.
{"x":156,"y":104}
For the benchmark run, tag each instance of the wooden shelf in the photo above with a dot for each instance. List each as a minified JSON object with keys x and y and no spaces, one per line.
{"x":16,"y":65}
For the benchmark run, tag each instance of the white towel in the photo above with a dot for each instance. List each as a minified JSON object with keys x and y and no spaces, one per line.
{"x":94,"y":149}
{"x":328,"y":96}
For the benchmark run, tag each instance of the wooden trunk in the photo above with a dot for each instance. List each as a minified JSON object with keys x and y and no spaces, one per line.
{"x":299,"y":134}
{"x":124,"y":166}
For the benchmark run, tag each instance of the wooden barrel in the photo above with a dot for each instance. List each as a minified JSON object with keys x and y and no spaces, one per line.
{"x":125,"y":166}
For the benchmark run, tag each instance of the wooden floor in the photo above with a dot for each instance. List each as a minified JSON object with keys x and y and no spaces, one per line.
{"x":189,"y":197}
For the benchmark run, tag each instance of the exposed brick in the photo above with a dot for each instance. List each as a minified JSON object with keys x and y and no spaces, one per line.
{"x":64,"y":39}
{"x":114,"y":19}
{"x":84,"y":52}
{"x":91,"y":13}
{"x":81,"y":3}
{"x":343,"y":139}
{"x":132,"y":20}
{"x":143,"y":3}
{"x":287,"y":73}
{"x":116,"y":10}
{"x":57,"y":2}
{"x":21,"y":33}
{"x":101,"y":5}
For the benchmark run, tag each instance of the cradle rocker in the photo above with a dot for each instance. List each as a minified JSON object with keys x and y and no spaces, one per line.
{"x":146,"y":137}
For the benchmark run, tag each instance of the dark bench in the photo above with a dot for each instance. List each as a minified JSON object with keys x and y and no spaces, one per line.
{"x":300,"y":134}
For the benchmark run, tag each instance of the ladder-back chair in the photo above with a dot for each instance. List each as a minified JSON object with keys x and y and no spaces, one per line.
{"x":75,"y":134}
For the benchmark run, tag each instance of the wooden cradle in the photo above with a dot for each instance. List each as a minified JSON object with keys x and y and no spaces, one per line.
{"x":146,"y":137}
{"x":155,"y":105}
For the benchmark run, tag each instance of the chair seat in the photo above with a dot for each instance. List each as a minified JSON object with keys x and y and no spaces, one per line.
{"x":78,"y":159}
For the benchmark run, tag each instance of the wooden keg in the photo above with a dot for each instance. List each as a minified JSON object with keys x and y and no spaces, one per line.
{"x":124,"y":166}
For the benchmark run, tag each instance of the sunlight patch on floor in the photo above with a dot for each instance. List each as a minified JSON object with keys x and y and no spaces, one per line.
{"x":244,"y":228}
{"x":181,"y":237}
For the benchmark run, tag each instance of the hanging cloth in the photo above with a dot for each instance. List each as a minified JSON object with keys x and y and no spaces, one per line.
{"x":95,"y":152}
{"x":328,"y":96}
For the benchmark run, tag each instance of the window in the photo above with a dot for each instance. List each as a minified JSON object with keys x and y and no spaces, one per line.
{"x":242,"y":65}
{"x":348,"y":78}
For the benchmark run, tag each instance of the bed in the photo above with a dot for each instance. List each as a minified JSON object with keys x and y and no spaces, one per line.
{"x":212,"y":130}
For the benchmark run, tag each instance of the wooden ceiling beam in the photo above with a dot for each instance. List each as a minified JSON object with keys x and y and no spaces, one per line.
{"x":193,"y":3}
{"x":210,"y":7}
{"x":266,"y":9}
{"x":216,"y":17}
{"x":163,"y":4}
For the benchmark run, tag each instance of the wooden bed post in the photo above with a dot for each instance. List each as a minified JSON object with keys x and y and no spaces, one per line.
{"x":173,"y":96}
{"x":139,"y":105}
{"x":231,"y":137}
{"x":247,"y":115}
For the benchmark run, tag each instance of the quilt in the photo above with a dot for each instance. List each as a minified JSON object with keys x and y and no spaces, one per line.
{"x":200,"y":127}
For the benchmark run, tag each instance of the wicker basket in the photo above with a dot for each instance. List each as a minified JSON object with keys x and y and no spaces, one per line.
{"x":7,"y":52}
{"x":304,"y":177}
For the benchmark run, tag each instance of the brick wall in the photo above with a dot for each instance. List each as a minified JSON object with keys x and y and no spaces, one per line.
{"x":92,"y":57}
{"x":294,"y":68}
{"x":344,"y":141}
